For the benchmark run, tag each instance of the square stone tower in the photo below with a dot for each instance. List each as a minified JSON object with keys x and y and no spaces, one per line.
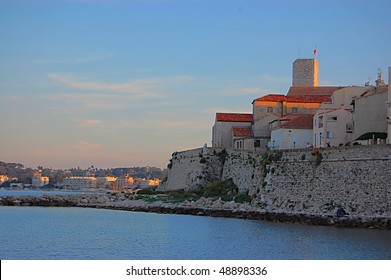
{"x":305,"y":72}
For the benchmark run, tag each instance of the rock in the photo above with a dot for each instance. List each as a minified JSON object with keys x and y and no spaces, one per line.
{"x":16,"y":202}
{"x":101,"y":199}
{"x":84,"y":201}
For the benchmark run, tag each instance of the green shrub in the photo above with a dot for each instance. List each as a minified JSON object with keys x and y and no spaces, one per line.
{"x":242,"y":198}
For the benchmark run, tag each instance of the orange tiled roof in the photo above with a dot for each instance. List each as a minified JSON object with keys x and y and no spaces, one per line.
{"x":271,"y":97}
{"x":233,"y":117}
{"x":304,"y":98}
{"x":299,"y":121}
{"x":242,"y":131}
{"x":322,"y":90}
{"x":298,"y":98}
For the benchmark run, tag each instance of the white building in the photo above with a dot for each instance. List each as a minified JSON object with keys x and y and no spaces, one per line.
{"x":79,"y":182}
{"x":39,"y":181}
{"x":332,"y":128}
{"x":291,"y":132}
{"x":333,"y":121}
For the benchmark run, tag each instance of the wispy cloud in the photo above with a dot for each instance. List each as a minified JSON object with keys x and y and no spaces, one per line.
{"x":89,"y":58}
{"x":11,"y":98}
{"x":78,"y":146}
{"x":144,"y":87}
{"x":88,"y":123}
{"x":87,"y":146}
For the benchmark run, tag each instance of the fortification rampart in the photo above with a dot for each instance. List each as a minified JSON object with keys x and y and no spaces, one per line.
{"x":355,"y":178}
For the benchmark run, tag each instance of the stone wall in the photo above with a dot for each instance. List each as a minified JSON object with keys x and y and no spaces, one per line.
{"x":199,"y":167}
{"x":355,"y":178}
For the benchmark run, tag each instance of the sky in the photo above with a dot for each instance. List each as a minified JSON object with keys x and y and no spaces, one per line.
{"x":128,"y":82}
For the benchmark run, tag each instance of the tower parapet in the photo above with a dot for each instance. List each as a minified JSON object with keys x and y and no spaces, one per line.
{"x":305,"y":72}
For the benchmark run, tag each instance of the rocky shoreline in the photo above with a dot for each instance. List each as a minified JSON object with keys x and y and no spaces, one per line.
{"x":201,"y":207}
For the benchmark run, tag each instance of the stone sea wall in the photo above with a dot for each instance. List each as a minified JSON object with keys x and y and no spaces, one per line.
{"x":355,"y":178}
{"x":201,"y":207}
{"x":198,"y":167}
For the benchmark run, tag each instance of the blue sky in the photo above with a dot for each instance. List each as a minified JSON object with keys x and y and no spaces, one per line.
{"x":127,"y":83}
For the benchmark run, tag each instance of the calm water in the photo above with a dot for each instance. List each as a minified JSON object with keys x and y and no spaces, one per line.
{"x":79,"y":233}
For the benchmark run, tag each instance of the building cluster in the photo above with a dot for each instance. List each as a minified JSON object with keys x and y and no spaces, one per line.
{"x":86,"y":182}
{"x":309,"y":115}
{"x":109,"y":182}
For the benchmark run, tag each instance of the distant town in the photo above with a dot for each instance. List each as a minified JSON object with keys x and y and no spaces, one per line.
{"x":16,"y":176}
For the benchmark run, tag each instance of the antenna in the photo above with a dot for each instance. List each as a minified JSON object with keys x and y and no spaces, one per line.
{"x":379,"y":80}
{"x":379,"y":74}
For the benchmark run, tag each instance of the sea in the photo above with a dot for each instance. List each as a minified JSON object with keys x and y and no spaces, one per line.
{"x":67,"y":233}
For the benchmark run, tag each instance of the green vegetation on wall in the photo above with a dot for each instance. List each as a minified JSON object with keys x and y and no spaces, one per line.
{"x":373,"y":135}
{"x":225,"y":190}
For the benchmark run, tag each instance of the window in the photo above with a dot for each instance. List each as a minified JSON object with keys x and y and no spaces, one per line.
{"x":320,"y":123}
{"x":332,"y":118}
{"x":329,"y":134}
{"x":295,"y":110}
{"x":257,"y":143}
{"x":349,"y":128}
{"x":270,"y":109}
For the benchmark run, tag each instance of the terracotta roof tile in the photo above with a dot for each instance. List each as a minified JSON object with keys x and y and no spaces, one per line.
{"x":299,"y":121}
{"x":299,"y":98}
{"x":272,"y":97}
{"x":304,"y":98}
{"x":242,"y":131}
{"x":233,"y":117}
{"x":321,"y":90}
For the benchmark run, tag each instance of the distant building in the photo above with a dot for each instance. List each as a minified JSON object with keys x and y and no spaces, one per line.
{"x":125,"y":182}
{"x":4,"y":178}
{"x":39,"y":181}
{"x":105,"y":182}
{"x":79,"y":182}
{"x":153,"y":182}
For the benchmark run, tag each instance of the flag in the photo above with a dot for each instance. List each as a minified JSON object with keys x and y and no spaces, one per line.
{"x":314,"y":51}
